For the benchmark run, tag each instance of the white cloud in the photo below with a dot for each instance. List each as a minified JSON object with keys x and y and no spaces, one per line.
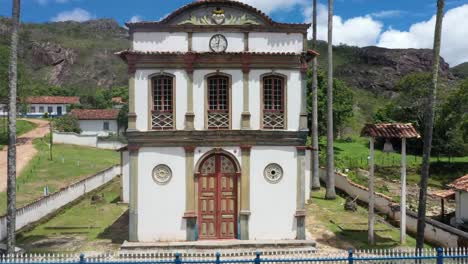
{"x":421,"y":35}
{"x":358,"y":31}
{"x":269,"y":6}
{"x":387,"y":13}
{"x":76,"y":14}
{"x":135,"y":19}
{"x":368,"y":31}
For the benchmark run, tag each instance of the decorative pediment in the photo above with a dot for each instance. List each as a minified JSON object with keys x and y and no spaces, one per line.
{"x":217,"y":13}
{"x":219,"y":17}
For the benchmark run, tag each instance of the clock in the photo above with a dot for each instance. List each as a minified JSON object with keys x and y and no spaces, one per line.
{"x":218,"y":43}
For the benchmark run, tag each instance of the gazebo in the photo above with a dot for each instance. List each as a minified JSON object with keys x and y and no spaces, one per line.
{"x":388,"y":131}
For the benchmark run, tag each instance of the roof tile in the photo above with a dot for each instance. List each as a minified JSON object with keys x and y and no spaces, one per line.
{"x":95,"y":114}
{"x":390,"y":130}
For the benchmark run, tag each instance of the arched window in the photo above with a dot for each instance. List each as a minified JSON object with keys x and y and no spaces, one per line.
{"x":163,"y":102}
{"x":218,"y":102}
{"x":273,"y":102}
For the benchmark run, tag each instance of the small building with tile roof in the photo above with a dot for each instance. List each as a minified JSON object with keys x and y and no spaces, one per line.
{"x":460,"y":187}
{"x":101,"y":122}
{"x":38,"y":106}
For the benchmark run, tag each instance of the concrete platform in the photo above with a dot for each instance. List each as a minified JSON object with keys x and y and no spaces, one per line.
{"x":231,"y":248}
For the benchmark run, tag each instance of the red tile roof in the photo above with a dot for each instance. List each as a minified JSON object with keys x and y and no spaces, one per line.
{"x":395,"y":130}
{"x":95,"y":114}
{"x":53,"y":100}
{"x":460,"y":184}
{"x":443,"y":194}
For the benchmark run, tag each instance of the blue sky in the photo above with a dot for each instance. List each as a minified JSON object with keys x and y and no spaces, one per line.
{"x":386,"y":23}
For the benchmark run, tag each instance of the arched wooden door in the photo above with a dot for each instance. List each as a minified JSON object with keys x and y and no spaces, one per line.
{"x":217,"y":198}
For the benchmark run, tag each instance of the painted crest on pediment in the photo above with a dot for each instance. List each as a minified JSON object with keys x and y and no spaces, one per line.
{"x":218,"y":17}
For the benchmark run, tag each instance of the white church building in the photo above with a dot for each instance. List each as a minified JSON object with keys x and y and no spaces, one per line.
{"x":217,"y":125}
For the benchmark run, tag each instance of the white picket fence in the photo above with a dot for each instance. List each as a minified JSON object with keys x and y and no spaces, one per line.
{"x":427,"y":255}
{"x":48,"y":204}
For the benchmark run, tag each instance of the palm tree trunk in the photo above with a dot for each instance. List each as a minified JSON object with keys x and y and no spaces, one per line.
{"x":314,"y":131}
{"x":11,"y":182}
{"x":330,"y":191}
{"x":428,"y":129}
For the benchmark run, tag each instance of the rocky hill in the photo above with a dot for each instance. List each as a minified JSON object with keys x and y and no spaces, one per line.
{"x":80,"y":56}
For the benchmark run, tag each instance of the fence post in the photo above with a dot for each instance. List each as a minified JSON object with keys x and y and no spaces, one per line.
{"x":82,"y":259}
{"x":218,"y":255}
{"x":440,"y":256}
{"x":350,"y":256}
{"x":177,"y":258}
{"x":257,"y":258}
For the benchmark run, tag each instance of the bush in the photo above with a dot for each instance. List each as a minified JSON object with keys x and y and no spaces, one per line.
{"x":67,"y":123}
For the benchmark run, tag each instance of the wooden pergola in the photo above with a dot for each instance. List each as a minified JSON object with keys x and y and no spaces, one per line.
{"x":388,"y":131}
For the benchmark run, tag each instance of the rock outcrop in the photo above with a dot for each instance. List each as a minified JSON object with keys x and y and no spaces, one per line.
{"x":54,"y":55}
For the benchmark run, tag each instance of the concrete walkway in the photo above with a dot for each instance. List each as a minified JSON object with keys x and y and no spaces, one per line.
{"x":25,"y":150}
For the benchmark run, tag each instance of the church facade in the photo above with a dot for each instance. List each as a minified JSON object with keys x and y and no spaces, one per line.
{"x":217,"y":125}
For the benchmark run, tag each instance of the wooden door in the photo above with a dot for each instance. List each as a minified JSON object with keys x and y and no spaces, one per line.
{"x":217,"y":203}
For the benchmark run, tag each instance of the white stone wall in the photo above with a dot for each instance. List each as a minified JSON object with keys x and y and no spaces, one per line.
{"x":275,"y":42}
{"x":161,"y":207}
{"x":160,"y":41}
{"x":293,"y":97}
{"x":96,"y":127}
{"x":273,"y":206}
{"x":75,"y":139}
{"x":37,"y":210}
{"x":125,"y":177}
{"x":461,"y":199}
{"x":178,"y":41}
{"x":165,"y":204}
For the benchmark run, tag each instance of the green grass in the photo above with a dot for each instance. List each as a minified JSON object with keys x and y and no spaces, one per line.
{"x":22,"y":127}
{"x":355,"y":154}
{"x":84,"y":226}
{"x":69,"y":164}
{"x":349,"y":228}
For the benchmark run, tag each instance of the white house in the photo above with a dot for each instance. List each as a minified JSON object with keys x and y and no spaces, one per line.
{"x":37,"y":106}
{"x":101,"y":122}
{"x":217,"y":125}
{"x":460,"y":186}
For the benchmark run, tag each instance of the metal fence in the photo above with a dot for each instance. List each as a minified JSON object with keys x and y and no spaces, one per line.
{"x":425,"y":256}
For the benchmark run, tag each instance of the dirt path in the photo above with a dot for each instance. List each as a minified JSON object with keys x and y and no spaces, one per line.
{"x":25,"y":150}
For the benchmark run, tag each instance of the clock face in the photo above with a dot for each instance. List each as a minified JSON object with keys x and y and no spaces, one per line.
{"x":218,"y":43}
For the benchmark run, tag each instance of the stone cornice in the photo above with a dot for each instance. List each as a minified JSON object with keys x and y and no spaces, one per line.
{"x":217,"y":138}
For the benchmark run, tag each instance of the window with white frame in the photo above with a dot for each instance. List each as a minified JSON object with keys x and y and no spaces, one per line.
{"x":106,"y":125}
{"x":218,"y":102}
{"x":32,"y":109}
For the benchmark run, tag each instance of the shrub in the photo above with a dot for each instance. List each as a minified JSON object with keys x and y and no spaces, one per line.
{"x":67,"y":123}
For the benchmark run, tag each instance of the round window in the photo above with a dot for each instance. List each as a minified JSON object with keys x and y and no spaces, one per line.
{"x":273,"y":173}
{"x":162,"y":174}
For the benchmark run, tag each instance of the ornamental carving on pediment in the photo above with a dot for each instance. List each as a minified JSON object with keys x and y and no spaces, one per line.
{"x":218,"y":17}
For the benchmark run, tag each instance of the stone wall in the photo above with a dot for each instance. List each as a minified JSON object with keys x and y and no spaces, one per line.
{"x":48,"y":204}
{"x":435,"y":232}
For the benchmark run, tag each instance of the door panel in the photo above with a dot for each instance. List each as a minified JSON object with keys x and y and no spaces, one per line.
{"x":217,"y":198}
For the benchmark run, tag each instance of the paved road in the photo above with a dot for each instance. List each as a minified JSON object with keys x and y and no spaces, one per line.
{"x":25,"y":150}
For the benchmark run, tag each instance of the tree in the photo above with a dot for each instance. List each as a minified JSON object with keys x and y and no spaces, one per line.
{"x":315,"y":182}
{"x":66,"y":123}
{"x":11,"y":174}
{"x":330,"y":185}
{"x":429,"y":126}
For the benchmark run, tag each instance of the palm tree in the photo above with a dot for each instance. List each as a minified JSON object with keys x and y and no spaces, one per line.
{"x":314,"y":132}
{"x":13,"y":78}
{"x":330,"y":191}
{"x":428,"y":128}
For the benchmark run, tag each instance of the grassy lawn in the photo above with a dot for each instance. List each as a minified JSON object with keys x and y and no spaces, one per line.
{"x":355,"y":155}
{"x":69,"y":164}
{"x":22,"y":126}
{"x":85,"y":226}
{"x":331,"y":226}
